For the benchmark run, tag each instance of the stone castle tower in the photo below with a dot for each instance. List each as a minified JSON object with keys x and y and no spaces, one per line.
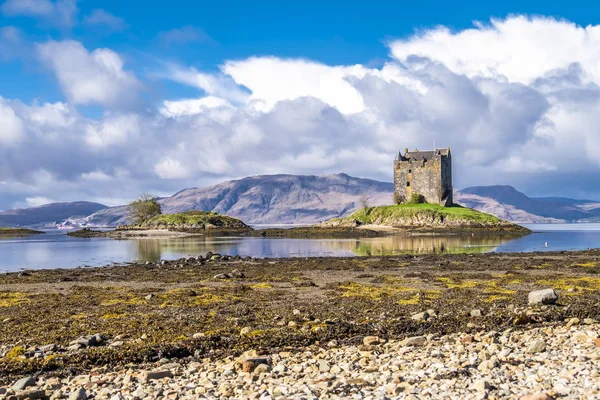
{"x":426,"y":173}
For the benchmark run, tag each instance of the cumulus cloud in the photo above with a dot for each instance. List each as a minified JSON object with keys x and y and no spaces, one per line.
{"x":99,"y":17}
{"x":11,"y":129}
{"x":96,"y":77}
{"x":529,"y":127}
{"x":518,"y":48}
{"x":59,"y":12}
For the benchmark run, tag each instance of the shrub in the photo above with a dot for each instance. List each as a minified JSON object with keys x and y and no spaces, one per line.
{"x":416,"y":198}
{"x":398,"y":198}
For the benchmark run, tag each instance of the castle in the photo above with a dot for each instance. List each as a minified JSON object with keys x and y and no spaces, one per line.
{"x":427,"y":174}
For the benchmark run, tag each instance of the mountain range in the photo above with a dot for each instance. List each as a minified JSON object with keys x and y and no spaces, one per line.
{"x":299,"y":199}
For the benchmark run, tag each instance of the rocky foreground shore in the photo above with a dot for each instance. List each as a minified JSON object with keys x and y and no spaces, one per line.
{"x":561,"y":361}
{"x":214,"y":326}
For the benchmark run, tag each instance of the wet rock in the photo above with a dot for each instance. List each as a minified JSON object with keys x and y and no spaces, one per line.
{"x":415,"y":341}
{"x":371,"y":340}
{"x":48,"y":348}
{"x":544,"y":296}
{"x":147,"y":376}
{"x":251,"y":364}
{"x":422,"y":316}
{"x":23,"y":383}
{"x":236,"y":273}
{"x":78,"y":394}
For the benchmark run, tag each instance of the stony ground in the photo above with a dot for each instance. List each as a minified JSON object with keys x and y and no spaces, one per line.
{"x":551,"y":361}
{"x":200,"y":315}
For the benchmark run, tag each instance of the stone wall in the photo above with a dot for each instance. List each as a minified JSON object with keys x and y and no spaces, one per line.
{"x":432,"y":179}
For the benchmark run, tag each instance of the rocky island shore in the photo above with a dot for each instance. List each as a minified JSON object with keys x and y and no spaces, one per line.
{"x":18,"y":232}
{"x":216,"y":326}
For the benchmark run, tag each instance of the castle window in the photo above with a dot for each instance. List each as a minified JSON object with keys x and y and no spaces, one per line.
{"x":407,"y":184}
{"x":409,"y":171}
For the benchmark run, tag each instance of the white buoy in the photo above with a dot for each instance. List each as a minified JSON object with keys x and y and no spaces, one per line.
{"x":546,"y":244}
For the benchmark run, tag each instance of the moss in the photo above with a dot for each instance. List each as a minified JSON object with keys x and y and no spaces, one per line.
{"x":372,"y":292}
{"x":12,"y":299}
{"x":414,"y":300}
{"x":495,"y":298}
{"x":262,"y":285}
{"x":565,"y":284}
{"x":15,"y":353}
{"x":542,"y":266}
{"x":113,"y":316}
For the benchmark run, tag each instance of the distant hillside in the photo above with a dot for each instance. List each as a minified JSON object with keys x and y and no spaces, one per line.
{"x":507,"y":202}
{"x":48,"y":214}
{"x":299,"y":199}
{"x":269,"y":199}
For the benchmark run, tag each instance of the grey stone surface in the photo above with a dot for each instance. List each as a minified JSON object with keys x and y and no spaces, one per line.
{"x":544,"y":296}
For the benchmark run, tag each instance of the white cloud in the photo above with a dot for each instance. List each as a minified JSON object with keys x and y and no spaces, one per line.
{"x":169,"y":168}
{"x":95,"y":77}
{"x":519,"y":48}
{"x":216,"y":85}
{"x":11,"y":127}
{"x":113,"y":131}
{"x":272,"y":79}
{"x":59,"y":12}
{"x":99,"y":17}
{"x":38,"y":201}
{"x":175,"y":108}
{"x":96,"y":176}
{"x":271,"y":115}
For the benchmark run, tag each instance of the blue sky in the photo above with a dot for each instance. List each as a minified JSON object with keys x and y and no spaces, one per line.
{"x":103,"y":100}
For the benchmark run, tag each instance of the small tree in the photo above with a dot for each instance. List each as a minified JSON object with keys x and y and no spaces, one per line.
{"x":143,"y":208}
{"x":364,"y":202}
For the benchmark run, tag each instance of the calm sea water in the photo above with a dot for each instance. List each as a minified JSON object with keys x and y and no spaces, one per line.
{"x":56,"y":250}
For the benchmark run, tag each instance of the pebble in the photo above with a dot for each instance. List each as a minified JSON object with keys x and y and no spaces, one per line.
{"x":371,"y":340}
{"x":537,"y":346}
{"x":415,"y":341}
{"x":534,"y":363}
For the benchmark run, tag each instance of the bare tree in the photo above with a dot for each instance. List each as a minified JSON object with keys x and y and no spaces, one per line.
{"x":364,"y":202}
{"x":143,"y":208}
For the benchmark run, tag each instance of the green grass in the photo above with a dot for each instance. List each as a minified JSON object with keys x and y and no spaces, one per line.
{"x":400,"y":211}
{"x":430,"y":216}
{"x":195,"y":217}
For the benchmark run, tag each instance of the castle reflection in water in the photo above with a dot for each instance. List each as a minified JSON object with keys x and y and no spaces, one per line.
{"x":156,"y":249}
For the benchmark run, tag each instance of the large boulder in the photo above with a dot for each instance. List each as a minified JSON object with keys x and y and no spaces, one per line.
{"x":544,"y":296}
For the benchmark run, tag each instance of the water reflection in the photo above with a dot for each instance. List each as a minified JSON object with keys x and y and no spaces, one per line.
{"x":56,"y":250}
{"x":156,"y":249}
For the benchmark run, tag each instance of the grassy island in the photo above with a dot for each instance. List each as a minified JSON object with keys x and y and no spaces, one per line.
{"x":426,"y":216}
{"x":205,"y":219}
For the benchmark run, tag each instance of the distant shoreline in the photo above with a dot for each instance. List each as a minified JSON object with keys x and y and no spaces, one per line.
{"x":18,"y":232}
